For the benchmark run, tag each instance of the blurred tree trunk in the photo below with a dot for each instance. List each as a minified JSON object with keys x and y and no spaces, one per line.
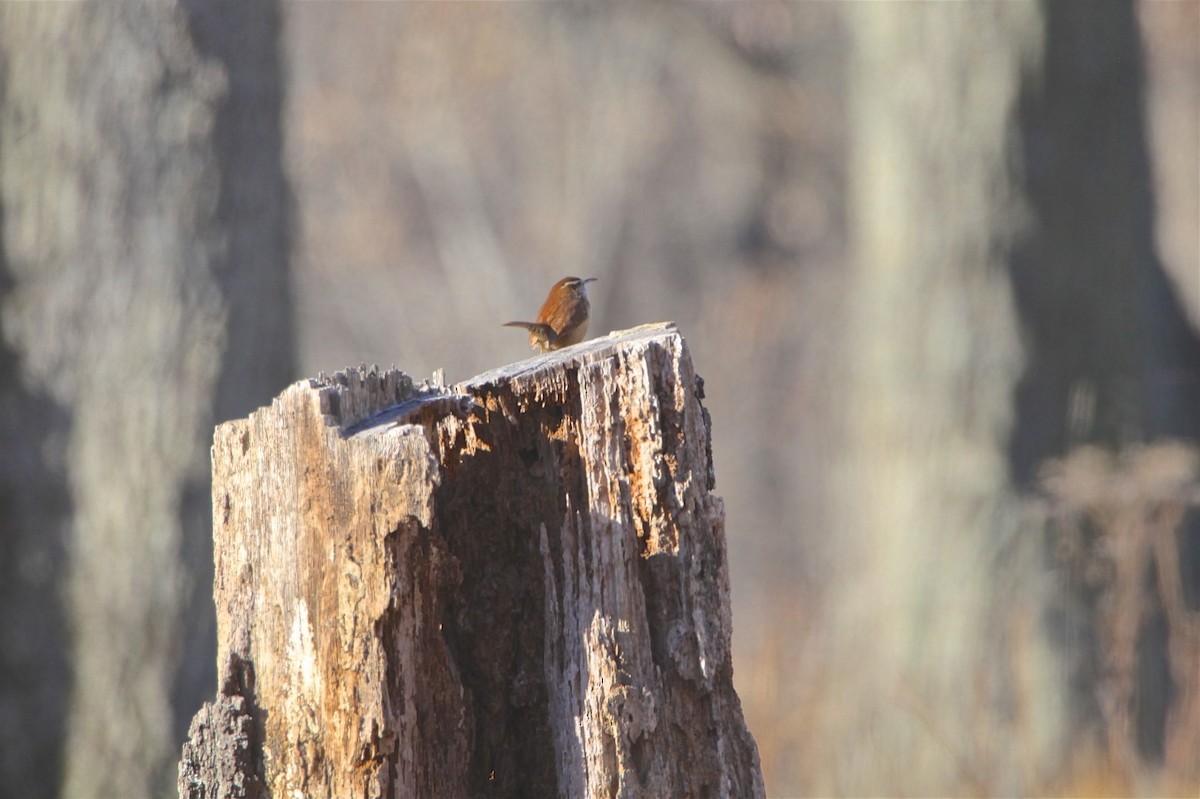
{"x":144,"y":229}
{"x":1111,"y":357}
{"x":518,"y":588}
{"x":1006,"y":303}
{"x":932,"y":361}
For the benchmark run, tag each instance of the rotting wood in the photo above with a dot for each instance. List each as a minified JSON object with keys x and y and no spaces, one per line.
{"x":513,"y":587}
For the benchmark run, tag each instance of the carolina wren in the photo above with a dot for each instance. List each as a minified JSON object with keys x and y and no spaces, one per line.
{"x":563,"y":320}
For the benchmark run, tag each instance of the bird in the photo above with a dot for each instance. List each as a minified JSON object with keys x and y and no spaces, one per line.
{"x":563,"y":320}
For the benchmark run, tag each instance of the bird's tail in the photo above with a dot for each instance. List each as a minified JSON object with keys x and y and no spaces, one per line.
{"x":541,"y":331}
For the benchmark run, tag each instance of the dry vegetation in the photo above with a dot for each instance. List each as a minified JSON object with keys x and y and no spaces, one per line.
{"x":1120,"y":536}
{"x":1124,"y":536}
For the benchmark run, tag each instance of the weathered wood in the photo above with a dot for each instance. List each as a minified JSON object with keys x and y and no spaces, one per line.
{"x":222,"y":756}
{"x":515,"y":587}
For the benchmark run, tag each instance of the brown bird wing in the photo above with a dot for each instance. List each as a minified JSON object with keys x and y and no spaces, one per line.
{"x":563,"y":316}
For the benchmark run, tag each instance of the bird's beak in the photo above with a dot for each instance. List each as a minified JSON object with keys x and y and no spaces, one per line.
{"x":587,"y":280}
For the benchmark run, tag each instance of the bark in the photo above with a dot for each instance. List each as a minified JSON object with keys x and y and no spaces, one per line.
{"x":221,"y":756}
{"x":517,"y":587}
{"x":144,"y":230}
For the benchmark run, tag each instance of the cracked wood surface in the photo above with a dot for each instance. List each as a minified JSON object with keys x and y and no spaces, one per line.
{"x":516,"y":586}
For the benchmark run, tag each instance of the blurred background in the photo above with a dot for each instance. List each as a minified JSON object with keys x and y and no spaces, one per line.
{"x":939,"y":265}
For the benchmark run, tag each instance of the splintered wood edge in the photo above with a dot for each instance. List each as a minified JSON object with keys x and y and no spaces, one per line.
{"x":433,"y":400}
{"x":364,"y":400}
{"x":590,"y":351}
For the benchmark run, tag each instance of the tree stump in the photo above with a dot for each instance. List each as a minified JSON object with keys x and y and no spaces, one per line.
{"x":514,"y":587}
